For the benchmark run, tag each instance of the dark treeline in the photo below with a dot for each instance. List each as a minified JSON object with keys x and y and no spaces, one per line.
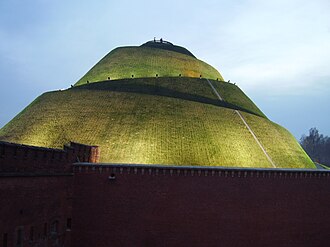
{"x":317,"y":146}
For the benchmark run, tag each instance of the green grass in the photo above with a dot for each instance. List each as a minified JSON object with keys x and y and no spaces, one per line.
{"x":135,"y":127}
{"x":323,"y":166}
{"x":131,"y":128}
{"x":170,"y":86}
{"x":141,"y":62}
{"x":234,"y":95}
{"x":193,"y":89}
{"x":279,"y":143}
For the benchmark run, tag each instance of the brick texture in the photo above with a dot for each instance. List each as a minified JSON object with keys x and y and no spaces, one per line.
{"x":52,"y":197}
{"x":199,"y":207}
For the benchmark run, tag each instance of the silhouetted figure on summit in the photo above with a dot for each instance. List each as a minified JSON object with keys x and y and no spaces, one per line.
{"x":161,"y":40}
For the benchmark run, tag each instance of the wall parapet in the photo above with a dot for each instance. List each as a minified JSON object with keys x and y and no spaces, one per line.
{"x":200,"y":206}
{"x":24,"y":158}
{"x":199,"y":171}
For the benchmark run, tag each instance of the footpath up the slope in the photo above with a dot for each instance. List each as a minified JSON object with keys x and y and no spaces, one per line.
{"x":247,"y":126}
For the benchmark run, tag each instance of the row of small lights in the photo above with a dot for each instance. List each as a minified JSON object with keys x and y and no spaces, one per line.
{"x":200,"y":77}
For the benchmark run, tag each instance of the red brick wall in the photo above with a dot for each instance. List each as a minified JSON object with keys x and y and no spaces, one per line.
{"x":23,"y":158}
{"x":199,"y":207}
{"x":36,"y":192}
{"x":30,"y":202}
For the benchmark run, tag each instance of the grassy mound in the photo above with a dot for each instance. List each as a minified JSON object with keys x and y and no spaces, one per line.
{"x":144,"y":62}
{"x":133,"y":126}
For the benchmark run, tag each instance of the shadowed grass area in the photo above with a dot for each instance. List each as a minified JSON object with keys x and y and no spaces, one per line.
{"x":186,"y":88}
{"x":143,"y":61}
{"x":147,"y":129}
{"x":234,"y":95}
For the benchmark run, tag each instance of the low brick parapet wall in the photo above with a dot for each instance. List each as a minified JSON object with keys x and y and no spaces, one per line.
{"x":142,"y":205}
{"x":24,"y":158}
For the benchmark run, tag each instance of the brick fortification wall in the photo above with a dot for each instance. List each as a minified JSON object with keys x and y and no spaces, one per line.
{"x":36,"y":193}
{"x":47,"y":201}
{"x":118,"y":205}
{"x":23,"y":158}
{"x":35,"y":210}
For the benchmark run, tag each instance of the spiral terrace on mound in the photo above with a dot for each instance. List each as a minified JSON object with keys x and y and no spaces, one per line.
{"x":158,"y":104}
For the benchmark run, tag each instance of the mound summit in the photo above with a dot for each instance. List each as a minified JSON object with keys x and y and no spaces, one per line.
{"x":158,"y":104}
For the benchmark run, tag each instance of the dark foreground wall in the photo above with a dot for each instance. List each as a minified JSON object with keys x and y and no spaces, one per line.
{"x":138,"y":206}
{"x":36,"y":193}
{"x":35,"y":209}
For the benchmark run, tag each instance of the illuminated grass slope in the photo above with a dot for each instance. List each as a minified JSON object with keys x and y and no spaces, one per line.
{"x":156,"y":121}
{"x":147,"y":61}
{"x":173,"y":118}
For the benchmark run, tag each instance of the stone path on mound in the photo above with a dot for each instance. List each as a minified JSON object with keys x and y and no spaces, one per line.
{"x":214,"y":90}
{"x":246,"y":124}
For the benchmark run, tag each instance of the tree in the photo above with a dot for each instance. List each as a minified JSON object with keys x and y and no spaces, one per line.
{"x":317,"y":146}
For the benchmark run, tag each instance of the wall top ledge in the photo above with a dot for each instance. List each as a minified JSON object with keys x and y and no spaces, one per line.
{"x":221,"y":168}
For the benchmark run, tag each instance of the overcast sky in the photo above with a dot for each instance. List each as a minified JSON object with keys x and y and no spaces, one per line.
{"x":277,"y":51}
